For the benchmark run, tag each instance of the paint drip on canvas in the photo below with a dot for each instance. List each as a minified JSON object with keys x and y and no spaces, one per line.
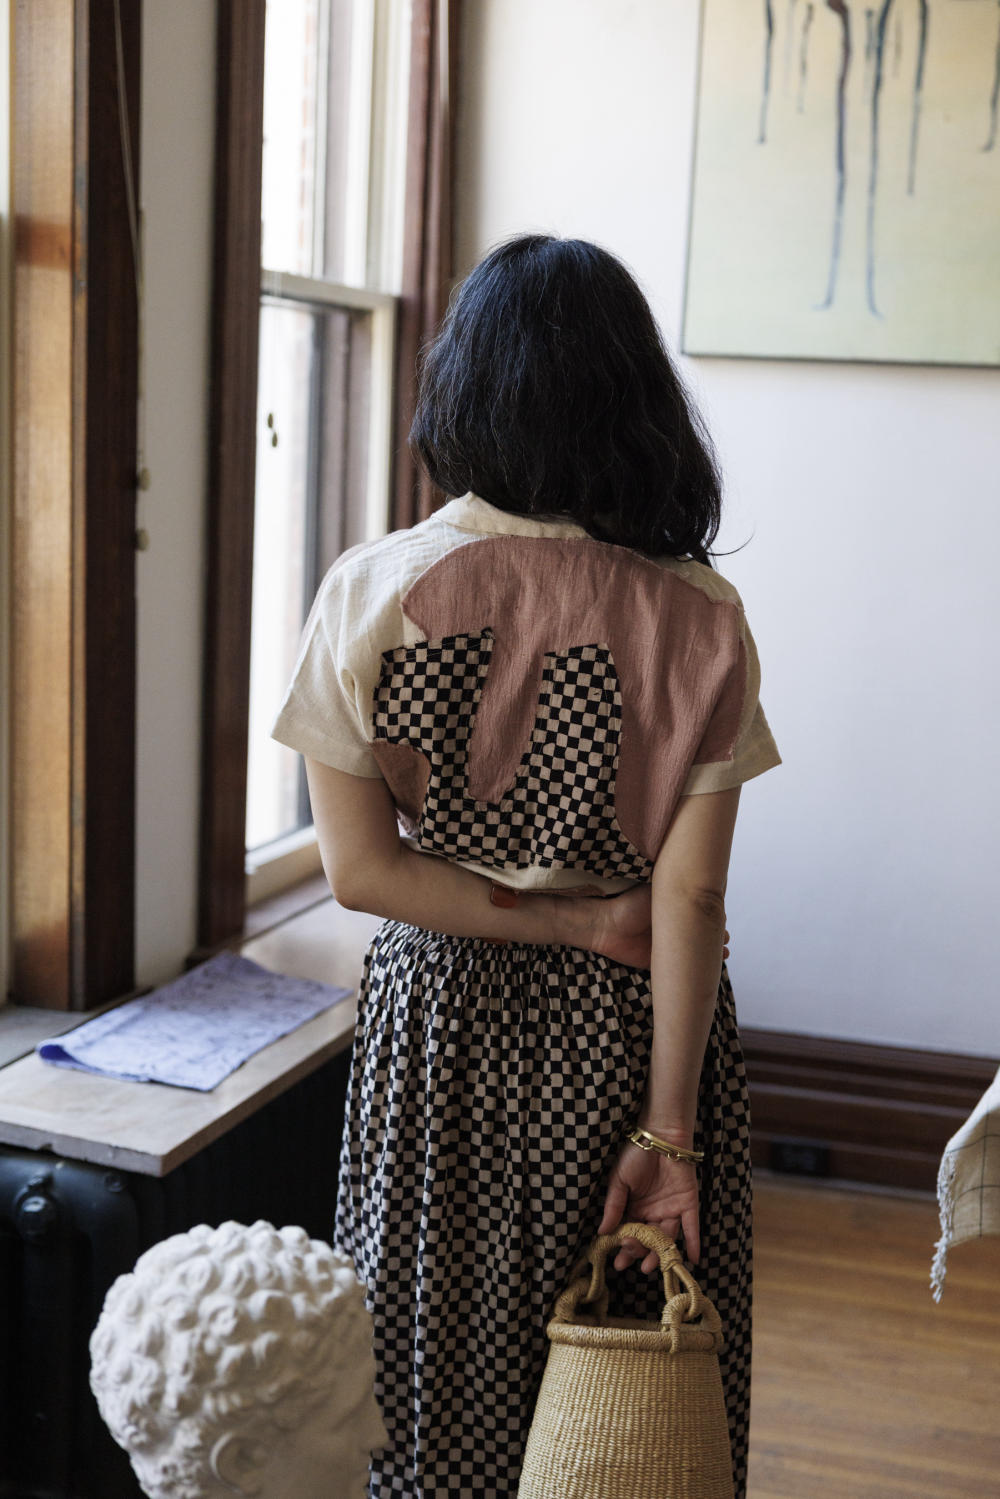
{"x":861,"y":166}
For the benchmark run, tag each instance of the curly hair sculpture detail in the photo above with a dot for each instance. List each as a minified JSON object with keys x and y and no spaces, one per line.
{"x":219,"y":1331}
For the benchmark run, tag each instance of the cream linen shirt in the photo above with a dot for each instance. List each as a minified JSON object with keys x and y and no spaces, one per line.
{"x":357,"y":617}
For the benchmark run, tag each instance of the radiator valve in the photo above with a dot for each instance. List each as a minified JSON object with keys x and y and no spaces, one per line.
{"x":36,"y":1214}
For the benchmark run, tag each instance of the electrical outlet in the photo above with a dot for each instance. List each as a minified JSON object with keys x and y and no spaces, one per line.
{"x":800,"y":1158}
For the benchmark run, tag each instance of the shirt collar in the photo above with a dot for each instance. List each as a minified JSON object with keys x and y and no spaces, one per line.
{"x":470,"y":513}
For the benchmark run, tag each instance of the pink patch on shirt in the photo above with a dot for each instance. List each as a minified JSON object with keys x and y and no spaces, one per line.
{"x":681,"y":665}
{"x":407,"y":773}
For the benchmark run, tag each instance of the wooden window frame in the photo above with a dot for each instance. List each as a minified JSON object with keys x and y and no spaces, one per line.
{"x":237,"y":287}
{"x":75,"y":385}
{"x":428,"y":235}
{"x":231,"y":468}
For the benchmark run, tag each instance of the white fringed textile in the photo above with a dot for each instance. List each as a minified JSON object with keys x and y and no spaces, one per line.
{"x":969,"y":1182}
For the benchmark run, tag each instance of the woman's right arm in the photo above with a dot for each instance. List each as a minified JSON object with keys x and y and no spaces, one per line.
{"x":688,"y":931}
{"x":371,"y":869}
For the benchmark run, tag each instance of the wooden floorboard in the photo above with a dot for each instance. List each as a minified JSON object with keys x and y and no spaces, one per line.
{"x":863,"y":1388}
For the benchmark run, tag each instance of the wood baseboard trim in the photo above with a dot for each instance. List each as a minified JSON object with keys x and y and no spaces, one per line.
{"x":855,"y":1111}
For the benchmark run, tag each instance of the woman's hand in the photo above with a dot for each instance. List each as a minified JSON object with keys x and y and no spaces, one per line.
{"x":647,"y":1187}
{"x":621,"y":926}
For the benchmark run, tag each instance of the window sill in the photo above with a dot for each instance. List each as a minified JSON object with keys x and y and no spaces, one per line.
{"x":275,"y":867}
{"x":284,"y":906}
{"x":151,"y":1129}
{"x":23,"y":1026}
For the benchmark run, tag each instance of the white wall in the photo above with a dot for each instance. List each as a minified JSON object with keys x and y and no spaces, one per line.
{"x":865,"y":882}
{"x":178,"y":125}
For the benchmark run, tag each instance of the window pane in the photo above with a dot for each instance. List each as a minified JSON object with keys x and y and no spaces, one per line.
{"x":317,"y":127}
{"x":348,"y":83}
{"x":343,"y":413}
{"x":311,"y":504}
{"x":293,"y":126}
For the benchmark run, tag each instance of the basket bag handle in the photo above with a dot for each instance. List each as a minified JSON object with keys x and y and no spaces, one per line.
{"x":588,"y":1285}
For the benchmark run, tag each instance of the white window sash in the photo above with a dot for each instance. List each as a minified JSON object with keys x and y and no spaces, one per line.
{"x":281,"y":286}
{"x":277,"y":866}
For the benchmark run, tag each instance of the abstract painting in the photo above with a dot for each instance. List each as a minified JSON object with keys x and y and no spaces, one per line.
{"x":846,"y":200}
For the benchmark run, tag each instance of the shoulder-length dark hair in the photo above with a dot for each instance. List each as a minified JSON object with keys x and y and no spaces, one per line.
{"x":549,"y":391}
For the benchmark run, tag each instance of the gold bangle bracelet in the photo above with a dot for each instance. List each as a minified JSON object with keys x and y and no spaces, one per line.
{"x":646,"y":1141}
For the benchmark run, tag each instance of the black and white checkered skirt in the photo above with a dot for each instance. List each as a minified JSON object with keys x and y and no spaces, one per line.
{"x":491,"y":1088}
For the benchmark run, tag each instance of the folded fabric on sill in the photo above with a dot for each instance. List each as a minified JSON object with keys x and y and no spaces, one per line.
{"x":194,"y":1032}
{"x":969,"y":1182}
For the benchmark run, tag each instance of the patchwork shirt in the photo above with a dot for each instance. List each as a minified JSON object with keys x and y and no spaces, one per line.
{"x":537,"y":701}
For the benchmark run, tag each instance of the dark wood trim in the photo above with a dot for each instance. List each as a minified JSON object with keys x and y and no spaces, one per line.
{"x":231,"y":468}
{"x":111,"y":397}
{"x":857,"y":1111}
{"x":75,"y":327}
{"x":428,"y":231}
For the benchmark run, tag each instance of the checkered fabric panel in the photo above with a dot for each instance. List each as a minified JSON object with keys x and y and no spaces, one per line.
{"x":560,"y":811}
{"x":490,"y":1090}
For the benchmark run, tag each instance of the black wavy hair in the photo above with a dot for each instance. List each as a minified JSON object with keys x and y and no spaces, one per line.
{"x":549,"y":391}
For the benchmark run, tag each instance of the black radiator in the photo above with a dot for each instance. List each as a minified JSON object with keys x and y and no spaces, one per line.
{"x":67,"y":1229}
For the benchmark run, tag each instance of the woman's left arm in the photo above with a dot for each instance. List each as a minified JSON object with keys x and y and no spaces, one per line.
{"x":370,"y":868}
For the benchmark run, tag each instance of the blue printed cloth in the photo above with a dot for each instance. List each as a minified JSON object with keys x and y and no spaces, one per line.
{"x":194,"y":1032}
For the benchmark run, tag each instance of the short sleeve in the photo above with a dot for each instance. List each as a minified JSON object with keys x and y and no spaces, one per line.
{"x":725,"y":760}
{"x":326,"y":712}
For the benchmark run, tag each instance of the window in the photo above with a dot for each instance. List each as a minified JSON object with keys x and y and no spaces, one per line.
{"x":333,"y":181}
{"x":352,"y":247}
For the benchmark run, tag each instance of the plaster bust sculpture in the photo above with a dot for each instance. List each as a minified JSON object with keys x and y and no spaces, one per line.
{"x":238,"y":1360}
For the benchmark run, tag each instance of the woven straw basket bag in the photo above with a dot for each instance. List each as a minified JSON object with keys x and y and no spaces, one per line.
{"x":630,"y":1409}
